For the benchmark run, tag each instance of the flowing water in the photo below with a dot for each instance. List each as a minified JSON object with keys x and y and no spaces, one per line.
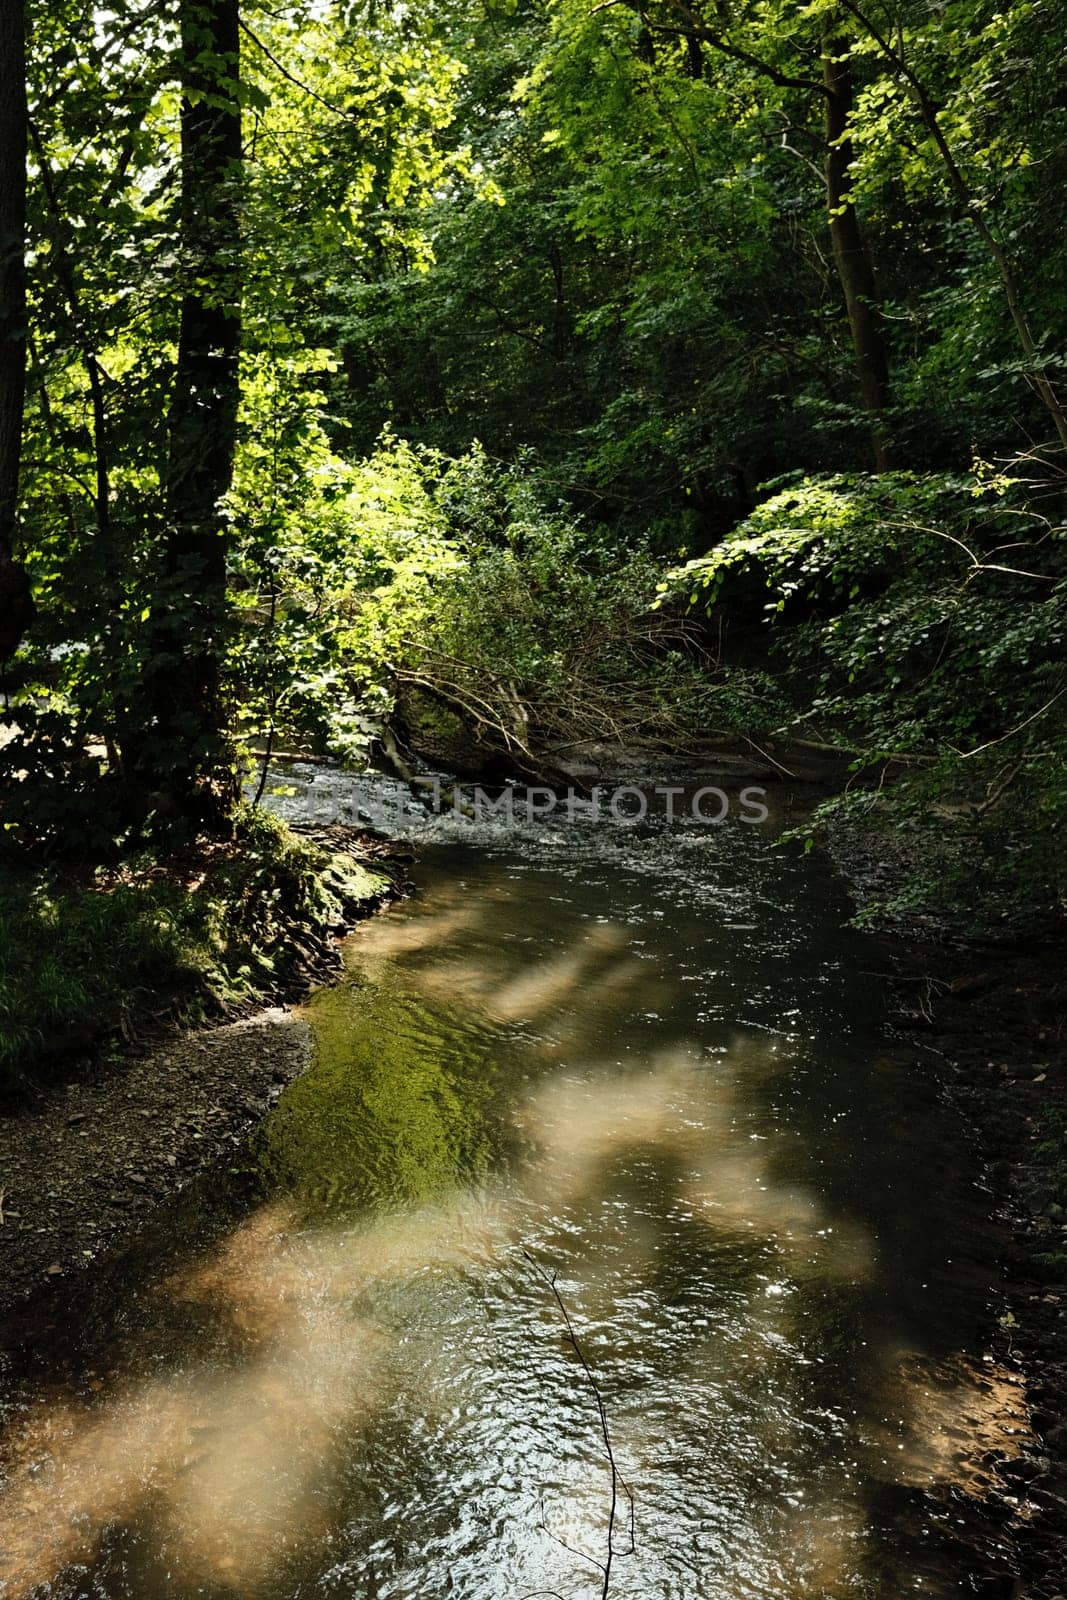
{"x":630,"y":1084}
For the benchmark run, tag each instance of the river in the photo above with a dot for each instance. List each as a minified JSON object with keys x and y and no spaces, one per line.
{"x":601,"y":1111}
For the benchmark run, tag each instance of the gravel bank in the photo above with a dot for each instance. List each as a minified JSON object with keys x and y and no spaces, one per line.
{"x":81,"y":1173}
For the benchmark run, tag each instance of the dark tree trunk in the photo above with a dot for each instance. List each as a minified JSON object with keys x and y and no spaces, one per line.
{"x":16,"y":603}
{"x":850,"y":250}
{"x":189,"y":763}
{"x":851,"y":256}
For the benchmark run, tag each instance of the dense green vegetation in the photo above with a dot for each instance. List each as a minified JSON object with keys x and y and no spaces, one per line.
{"x":919,"y":620}
{"x":401,"y":381}
{"x":92,"y":958}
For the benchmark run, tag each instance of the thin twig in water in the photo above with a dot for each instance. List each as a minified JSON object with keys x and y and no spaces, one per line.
{"x":617,"y":1480}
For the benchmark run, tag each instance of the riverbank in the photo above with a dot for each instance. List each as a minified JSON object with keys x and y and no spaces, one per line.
{"x":85,"y":1169}
{"x":88,"y":1168}
{"x":96,"y":1139}
{"x":95,"y":958}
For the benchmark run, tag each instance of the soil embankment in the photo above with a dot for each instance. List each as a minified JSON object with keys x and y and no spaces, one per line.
{"x":84,"y":1165}
{"x":83,"y":1170}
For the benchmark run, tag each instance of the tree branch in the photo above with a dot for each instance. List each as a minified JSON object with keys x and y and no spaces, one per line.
{"x":694,"y":28}
{"x":305,"y":88}
{"x":961,"y":190}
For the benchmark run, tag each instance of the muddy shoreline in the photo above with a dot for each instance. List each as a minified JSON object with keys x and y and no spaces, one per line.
{"x":84,"y":1171}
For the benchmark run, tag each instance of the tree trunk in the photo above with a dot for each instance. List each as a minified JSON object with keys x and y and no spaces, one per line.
{"x":16,"y":603}
{"x":189,"y":761}
{"x":850,"y":250}
{"x":846,"y":236}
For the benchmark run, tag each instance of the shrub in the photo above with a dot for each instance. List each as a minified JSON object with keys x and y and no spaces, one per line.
{"x":922,"y":622}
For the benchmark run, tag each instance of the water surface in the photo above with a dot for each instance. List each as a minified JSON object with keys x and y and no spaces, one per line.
{"x":651,"y":1065}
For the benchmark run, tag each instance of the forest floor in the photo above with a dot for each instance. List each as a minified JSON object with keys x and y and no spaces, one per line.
{"x":997,"y":1016}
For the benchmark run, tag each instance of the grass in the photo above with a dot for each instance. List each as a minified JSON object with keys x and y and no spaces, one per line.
{"x":85,"y":962}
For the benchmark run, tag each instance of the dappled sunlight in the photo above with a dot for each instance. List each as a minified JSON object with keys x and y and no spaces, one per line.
{"x":817,"y":1547}
{"x":738,"y":1193}
{"x":370,"y":1371}
{"x":448,"y":951}
{"x":236,"y":1464}
{"x":551,"y":983}
{"x":232,"y":1462}
{"x":373,"y":948}
{"x":594,"y":974}
{"x":229,"y":1466}
{"x":580,"y":1122}
{"x":229,"y":1462}
{"x":273,"y":1270}
{"x":724,"y":1178}
{"x":945,"y":1422}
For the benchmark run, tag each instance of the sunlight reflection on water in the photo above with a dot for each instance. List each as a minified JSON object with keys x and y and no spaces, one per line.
{"x":765,"y":1239}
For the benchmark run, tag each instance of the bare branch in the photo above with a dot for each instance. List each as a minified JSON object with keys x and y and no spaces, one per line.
{"x":617,"y":1480}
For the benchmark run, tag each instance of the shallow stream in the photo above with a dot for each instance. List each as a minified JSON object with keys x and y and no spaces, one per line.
{"x":630,"y":1084}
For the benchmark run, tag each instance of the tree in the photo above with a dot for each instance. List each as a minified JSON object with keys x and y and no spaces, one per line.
{"x":184,"y":762}
{"x":679,"y":18}
{"x":16,"y":603}
{"x":851,"y":256}
{"x":973,"y":208}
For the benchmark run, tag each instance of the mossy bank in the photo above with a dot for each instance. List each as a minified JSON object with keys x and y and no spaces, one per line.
{"x":91,"y":962}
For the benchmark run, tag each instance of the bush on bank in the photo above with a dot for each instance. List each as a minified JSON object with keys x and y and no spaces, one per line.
{"x":117,"y":952}
{"x":921,"y":621}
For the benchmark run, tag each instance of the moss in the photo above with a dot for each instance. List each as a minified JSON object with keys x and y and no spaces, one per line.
{"x":85,"y":962}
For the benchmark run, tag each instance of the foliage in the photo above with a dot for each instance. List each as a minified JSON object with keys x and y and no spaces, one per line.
{"x":337,"y":168}
{"x":1050,"y":1152}
{"x":343,"y":571}
{"x":923,"y":621}
{"x":548,"y":627}
{"x":104,"y":956}
{"x":599,"y":239}
{"x":419,"y":588}
{"x":655,"y":307}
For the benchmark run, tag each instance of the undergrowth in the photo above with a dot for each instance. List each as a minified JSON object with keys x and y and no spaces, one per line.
{"x":104,"y":957}
{"x":919,"y":623}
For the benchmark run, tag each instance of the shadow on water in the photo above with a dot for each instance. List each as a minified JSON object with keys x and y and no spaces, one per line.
{"x":658,"y":1065}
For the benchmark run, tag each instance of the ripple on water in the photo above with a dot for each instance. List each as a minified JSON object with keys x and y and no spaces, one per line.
{"x":653,"y":1065}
